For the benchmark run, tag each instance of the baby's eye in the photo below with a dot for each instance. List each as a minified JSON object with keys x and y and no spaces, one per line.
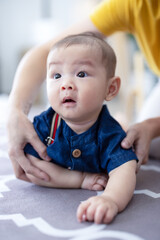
{"x":82,"y":74}
{"x":57,"y":75}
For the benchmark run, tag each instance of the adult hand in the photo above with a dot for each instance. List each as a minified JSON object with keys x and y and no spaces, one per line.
{"x":139,"y":136}
{"x":20,"y":131}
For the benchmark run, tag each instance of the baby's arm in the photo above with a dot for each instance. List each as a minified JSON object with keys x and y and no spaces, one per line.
{"x":64,"y":178}
{"x":117,"y":194}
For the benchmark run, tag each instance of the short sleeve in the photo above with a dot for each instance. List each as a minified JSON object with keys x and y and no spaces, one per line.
{"x":111,"y":135}
{"x":111,"y":16}
{"x":114,"y":155}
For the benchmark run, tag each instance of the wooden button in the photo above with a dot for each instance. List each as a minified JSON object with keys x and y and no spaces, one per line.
{"x":76,"y":153}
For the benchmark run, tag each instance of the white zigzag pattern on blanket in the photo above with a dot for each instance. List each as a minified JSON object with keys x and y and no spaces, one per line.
{"x":92,"y":232}
{"x":143,"y":191}
{"x":7,"y":178}
{"x":150,"y":168}
{"x":3,"y":180}
{"x":148,"y":193}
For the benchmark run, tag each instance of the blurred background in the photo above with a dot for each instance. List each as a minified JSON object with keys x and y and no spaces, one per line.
{"x":26,"y":23}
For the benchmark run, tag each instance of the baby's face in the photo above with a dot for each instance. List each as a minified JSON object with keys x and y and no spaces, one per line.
{"x":76,"y":82}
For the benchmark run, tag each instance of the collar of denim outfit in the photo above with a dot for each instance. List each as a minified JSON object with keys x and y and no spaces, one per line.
{"x":86,"y":136}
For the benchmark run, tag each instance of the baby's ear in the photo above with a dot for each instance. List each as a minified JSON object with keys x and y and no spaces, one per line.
{"x":112,"y":88}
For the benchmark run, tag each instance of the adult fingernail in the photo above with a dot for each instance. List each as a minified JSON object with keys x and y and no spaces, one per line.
{"x":124,"y":144}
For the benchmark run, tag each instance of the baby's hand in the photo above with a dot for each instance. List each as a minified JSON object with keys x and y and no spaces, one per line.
{"x":93,"y":181}
{"x":100,"y":209}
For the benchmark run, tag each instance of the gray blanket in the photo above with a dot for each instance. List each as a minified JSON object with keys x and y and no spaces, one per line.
{"x":32,"y":212}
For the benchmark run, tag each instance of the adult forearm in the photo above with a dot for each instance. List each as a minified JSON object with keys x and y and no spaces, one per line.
{"x":153,"y":126}
{"x":29,"y":76}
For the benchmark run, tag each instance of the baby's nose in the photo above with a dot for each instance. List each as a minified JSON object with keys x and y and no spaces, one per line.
{"x":67,"y":85}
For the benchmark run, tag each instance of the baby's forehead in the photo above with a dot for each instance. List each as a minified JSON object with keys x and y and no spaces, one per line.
{"x":75,"y":55}
{"x":91,"y":50}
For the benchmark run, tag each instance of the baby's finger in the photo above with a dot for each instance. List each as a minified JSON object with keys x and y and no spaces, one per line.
{"x":102,"y":181}
{"x":100,"y":214}
{"x":109,"y":215}
{"x":90,"y":212}
{"x":81,"y":211}
{"x":97,"y":187}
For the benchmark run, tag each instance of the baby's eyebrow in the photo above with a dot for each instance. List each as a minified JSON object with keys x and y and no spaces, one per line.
{"x":54,"y":63}
{"x":77,"y":63}
{"x":84,"y":62}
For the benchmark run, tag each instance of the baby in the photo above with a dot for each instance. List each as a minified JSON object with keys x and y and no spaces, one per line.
{"x":82,"y":138}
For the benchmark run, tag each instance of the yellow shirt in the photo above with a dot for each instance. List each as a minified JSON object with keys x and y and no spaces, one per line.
{"x":138,"y":17}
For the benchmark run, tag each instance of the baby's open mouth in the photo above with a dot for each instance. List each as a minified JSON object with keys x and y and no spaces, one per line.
{"x":68,"y":100}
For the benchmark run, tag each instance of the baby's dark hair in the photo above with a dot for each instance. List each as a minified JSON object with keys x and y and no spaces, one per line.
{"x":92,"y":39}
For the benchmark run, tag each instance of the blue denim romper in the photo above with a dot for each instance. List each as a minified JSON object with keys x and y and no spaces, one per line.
{"x":96,"y":150}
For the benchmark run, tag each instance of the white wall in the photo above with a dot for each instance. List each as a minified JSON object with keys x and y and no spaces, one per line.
{"x":16,"y":18}
{"x":24,"y":23}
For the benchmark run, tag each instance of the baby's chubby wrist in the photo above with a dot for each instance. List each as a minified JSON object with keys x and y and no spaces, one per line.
{"x":82,"y":180}
{"x":113,"y":203}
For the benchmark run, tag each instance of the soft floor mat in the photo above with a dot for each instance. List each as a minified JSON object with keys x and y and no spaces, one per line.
{"x":31,"y":212}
